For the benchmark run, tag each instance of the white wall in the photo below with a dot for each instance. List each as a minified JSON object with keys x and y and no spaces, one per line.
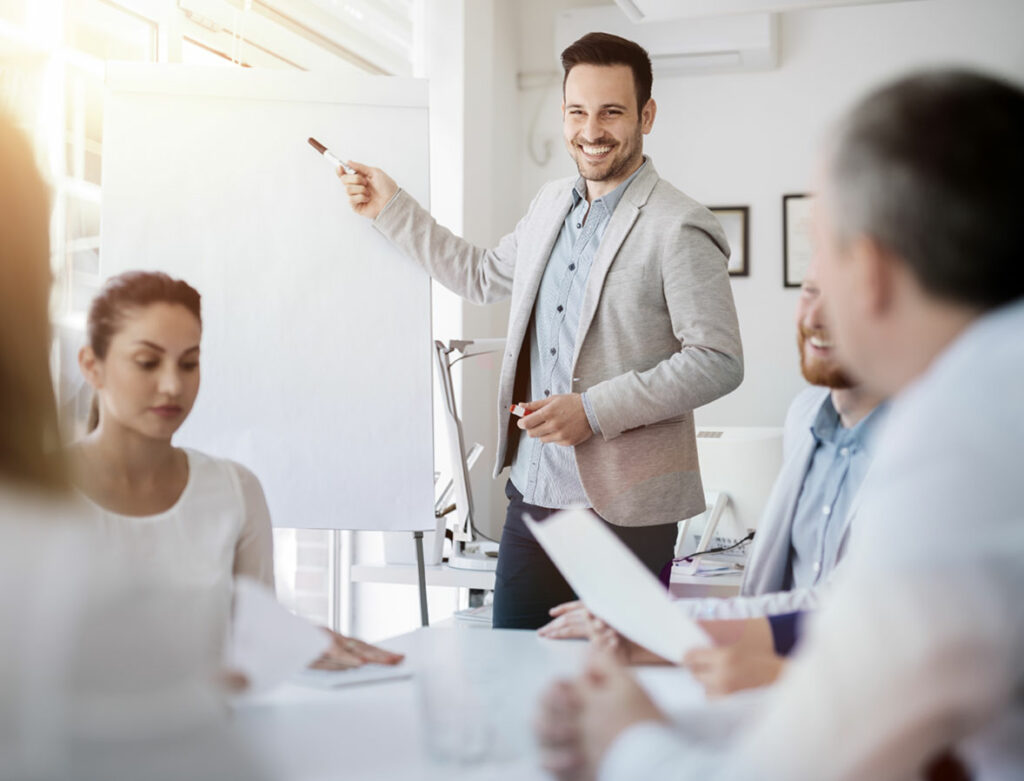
{"x":748,"y":138}
{"x":489,"y":211}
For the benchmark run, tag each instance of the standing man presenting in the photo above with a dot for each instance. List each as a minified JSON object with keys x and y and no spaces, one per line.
{"x":622,"y":323}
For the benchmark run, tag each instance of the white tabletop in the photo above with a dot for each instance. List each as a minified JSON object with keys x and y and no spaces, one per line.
{"x":376,"y":731}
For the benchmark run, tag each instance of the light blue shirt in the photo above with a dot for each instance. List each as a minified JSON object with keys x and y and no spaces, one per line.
{"x":546,"y":474}
{"x":838,"y":466}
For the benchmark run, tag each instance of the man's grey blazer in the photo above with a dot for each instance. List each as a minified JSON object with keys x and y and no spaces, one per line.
{"x":658,"y":335}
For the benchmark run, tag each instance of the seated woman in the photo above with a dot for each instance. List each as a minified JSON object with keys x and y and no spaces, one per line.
{"x":103,"y":670}
{"x":194,"y":517}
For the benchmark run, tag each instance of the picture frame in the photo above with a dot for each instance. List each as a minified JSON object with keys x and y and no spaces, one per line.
{"x":735,"y":222}
{"x":796,"y":238}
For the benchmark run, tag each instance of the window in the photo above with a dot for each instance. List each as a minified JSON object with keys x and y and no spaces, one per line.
{"x":84,"y":36}
{"x":13,"y":10}
{"x":108,"y":31}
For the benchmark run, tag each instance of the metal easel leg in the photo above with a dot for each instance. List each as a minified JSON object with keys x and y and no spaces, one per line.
{"x":421,"y":571}
{"x":335,"y":558}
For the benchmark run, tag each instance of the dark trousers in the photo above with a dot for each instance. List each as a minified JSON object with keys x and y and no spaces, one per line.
{"x":527,"y":584}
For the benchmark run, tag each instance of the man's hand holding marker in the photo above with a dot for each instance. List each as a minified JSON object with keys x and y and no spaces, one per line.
{"x":559,"y":419}
{"x":369,"y":189}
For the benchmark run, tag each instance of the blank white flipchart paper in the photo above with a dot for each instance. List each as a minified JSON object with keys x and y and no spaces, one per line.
{"x":316,"y":345}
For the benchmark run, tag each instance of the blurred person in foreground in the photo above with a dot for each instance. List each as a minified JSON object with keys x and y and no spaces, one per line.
{"x":915,"y":666}
{"x":104,"y":674}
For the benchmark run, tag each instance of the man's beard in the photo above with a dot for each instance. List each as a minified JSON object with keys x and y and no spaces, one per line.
{"x":617,"y":167}
{"x":828,"y":375}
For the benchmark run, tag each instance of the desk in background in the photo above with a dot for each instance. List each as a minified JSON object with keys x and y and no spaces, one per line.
{"x":437,"y":575}
{"x":682,"y":586}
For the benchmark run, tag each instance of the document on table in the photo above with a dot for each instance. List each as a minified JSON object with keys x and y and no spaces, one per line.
{"x":268,"y":643}
{"x":614,"y":585}
{"x":368,"y":673}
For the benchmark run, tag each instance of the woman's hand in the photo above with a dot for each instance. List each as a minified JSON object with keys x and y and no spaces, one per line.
{"x":347,"y":652}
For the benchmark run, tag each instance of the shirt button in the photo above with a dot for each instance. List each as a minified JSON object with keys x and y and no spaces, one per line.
{"x":817,"y":566}
{"x":547,"y":392}
{"x":845,"y":451}
{"x":553,"y":351}
{"x":572,"y":267}
{"x":560,"y":307}
{"x":579,"y":224}
{"x":826,"y":510}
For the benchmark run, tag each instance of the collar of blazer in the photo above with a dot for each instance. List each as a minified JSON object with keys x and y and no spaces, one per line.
{"x":769,"y":554}
{"x":551,"y":208}
{"x":619,"y":225}
{"x":768,"y":563}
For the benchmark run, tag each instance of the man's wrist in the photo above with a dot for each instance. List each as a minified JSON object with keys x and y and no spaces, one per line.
{"x":588,"y":408}
{"x":384,"y":209}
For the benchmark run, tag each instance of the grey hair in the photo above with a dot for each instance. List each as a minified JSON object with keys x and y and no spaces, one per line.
{"x":932,"y":168}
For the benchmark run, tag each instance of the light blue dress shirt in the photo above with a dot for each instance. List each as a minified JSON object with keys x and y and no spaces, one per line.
{"x":546,"y":474}
{"x":838,"y":466}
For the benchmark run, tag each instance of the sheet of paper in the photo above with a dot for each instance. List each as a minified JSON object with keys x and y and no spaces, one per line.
{"x":268,"y":643}
{"x":368,"y":673}
{"x":615,"y":585}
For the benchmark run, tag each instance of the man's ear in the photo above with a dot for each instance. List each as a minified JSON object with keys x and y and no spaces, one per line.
{"x":647,"y":116}
{"x":92,"y":368}
{"x":875,"y":275}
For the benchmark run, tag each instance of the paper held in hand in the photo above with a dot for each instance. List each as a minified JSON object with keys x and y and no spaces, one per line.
{"x":614,"y":585}
{"x":268,"y":644}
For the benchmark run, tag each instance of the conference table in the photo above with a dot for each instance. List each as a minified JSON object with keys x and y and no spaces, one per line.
{"x":472,"y":690}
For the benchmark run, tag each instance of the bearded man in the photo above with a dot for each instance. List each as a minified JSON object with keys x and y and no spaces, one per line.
{"x":827,"y":443}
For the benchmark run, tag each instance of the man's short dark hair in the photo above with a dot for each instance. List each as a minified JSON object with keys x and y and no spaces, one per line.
{"x":932,"y":168}
{"x":608,"y":49}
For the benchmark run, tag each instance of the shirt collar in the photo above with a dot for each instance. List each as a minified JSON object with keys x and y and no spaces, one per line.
{"x":827,"y":428}
{"x":610,"y":200}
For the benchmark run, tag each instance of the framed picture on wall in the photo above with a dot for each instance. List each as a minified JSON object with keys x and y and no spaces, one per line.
{"x":734,"y":221}
{"x":796,"y":238}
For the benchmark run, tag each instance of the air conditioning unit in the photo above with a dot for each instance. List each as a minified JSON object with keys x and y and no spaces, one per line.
{"x":662,"y":10}
{"x":722,"y":44}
